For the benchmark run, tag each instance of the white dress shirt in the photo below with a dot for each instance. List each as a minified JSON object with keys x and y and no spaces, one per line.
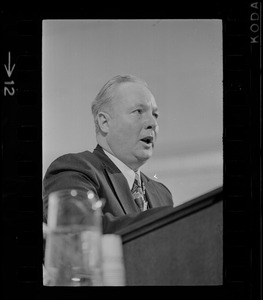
{"x":128,"y":173}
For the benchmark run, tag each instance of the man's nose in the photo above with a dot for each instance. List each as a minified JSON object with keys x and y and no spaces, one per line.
{"x":151,"y":122}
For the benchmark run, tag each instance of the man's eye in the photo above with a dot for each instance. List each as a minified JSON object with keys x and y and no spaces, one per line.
{"x":139,"y":111}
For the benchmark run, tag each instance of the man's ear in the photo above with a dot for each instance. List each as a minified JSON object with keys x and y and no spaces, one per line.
{"x":103,"y":121}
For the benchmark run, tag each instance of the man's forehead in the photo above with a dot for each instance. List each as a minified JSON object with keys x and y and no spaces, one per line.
{"x":136,"y":93}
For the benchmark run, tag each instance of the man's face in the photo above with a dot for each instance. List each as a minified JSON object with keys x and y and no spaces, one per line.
{"x":133,"y":124}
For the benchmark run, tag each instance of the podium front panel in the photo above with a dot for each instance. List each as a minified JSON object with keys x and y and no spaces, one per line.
{"x":187,"y":251}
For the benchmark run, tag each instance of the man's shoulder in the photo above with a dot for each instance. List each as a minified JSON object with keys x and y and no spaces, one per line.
{"x":157,"y":184}
{"x":79,"y":159}
{"x":154,"y":181}
{"x":84,"y":155}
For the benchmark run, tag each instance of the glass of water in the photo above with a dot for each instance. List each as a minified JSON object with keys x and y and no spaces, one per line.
{"x":73,"y":241}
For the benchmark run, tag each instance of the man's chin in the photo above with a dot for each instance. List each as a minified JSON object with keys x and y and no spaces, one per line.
{"x":145,"y":154}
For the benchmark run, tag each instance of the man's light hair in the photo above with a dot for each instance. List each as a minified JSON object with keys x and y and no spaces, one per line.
{"x":106,"y":94}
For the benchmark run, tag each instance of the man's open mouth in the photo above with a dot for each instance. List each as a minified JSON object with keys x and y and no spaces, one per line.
{"x":148,"y":139}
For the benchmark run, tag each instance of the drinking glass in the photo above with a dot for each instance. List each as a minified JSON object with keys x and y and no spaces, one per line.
{"x":73,"y":241}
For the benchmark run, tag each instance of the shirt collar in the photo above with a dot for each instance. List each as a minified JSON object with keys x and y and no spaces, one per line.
{"x":128,"y":173}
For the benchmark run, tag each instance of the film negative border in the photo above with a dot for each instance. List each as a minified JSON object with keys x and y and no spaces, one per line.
{"x":241,"y":152}
{"x":22,"y":149}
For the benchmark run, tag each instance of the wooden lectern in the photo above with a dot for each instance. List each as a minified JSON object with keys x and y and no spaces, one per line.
{"x":179,"y":246}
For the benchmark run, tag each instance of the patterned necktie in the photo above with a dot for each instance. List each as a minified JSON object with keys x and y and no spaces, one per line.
{"x":138,"y":191}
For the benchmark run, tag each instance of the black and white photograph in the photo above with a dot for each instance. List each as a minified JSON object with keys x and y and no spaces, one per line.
{"x":147,"y":95}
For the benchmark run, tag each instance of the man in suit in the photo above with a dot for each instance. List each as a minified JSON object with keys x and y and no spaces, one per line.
{"x":125,"y":114}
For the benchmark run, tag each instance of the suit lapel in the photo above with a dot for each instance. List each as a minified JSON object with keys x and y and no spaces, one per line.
{"x":123,"y":192}
{"x":152,"y":194}
{"x":118,"y":181}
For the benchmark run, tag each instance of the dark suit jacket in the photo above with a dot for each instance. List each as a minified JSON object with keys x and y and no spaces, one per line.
{"x":96,"y":172}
